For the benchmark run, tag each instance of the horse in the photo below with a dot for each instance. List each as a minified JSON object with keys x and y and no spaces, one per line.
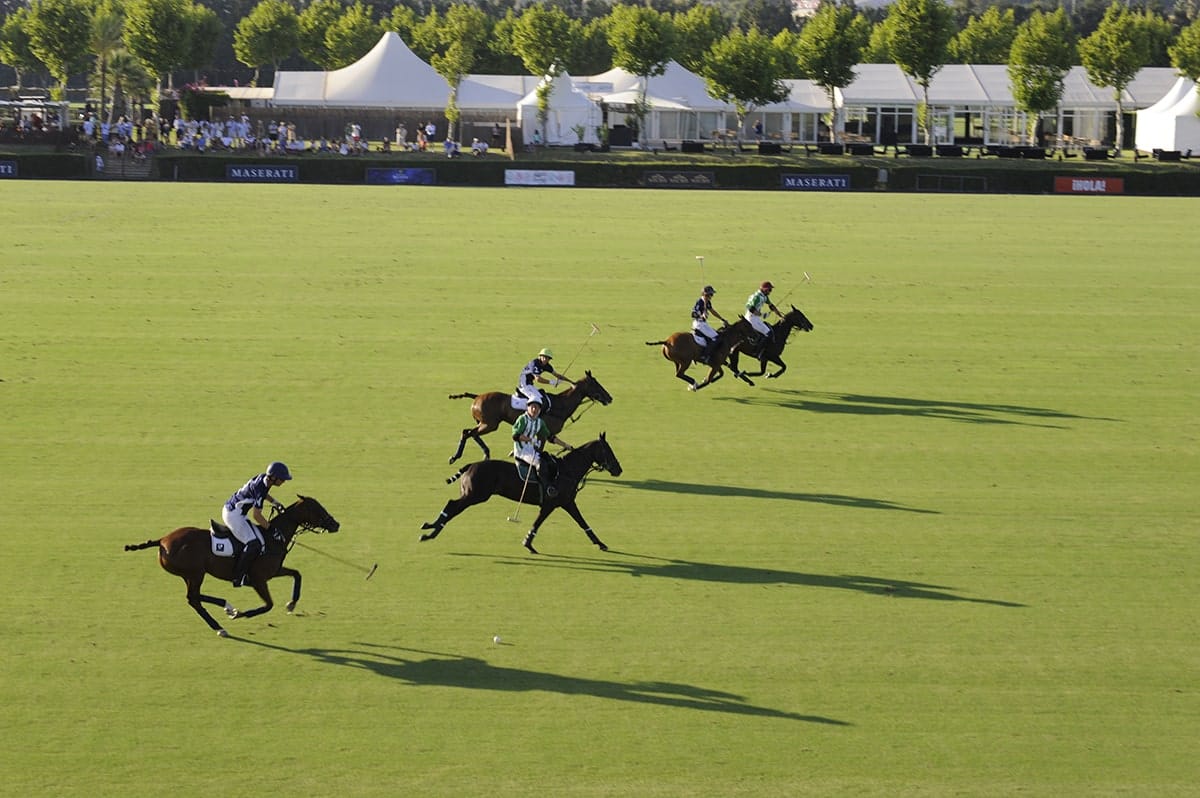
{"x":773,"y":348}
{"x":682,"y":350}
{"x":487,"y":478}
{"x":188,"y":553}
{"x":490,"y":409}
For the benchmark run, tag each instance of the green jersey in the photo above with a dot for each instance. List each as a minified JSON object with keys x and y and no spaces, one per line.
{"x":532,"y":427}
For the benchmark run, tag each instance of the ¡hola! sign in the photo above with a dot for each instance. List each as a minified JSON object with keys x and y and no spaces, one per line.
{"x":1089,"y":185}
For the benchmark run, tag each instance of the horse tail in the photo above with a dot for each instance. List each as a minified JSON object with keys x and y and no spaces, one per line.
{"x":655,"y":343}
{"x":453,"y":477}
{"x":139,"y":546}
{"x":462,"y":396}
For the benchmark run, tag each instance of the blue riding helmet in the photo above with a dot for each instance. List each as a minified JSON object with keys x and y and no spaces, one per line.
{"x":708,"y":289}
{"x":279,"y":471}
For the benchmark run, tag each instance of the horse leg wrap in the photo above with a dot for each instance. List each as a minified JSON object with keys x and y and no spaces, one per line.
{"x":528,"y":543}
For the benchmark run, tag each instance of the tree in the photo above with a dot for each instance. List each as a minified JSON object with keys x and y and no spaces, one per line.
{"x":878,"y":51}
{"x":267,"y":35}
{"x":461,"y":35}
{"x":593,"y":53}
{"x":59,"y":33}
{"x":315,"y":20}
{"x":130,"y":79}
{"x":1114,"y":54}
{"x":1185,"y":53}
{"x":204,"y":31}
{"x":352,"y":36}
{"x":745,"y":69}
{"x":1041,"y":56}
{"x":15,"y":49}
{"x":918,"y":35}
{"x":108,"y":26}
{"x":696,"y":31}
{"x":156,"y":33}
{"x":985,"y":39}
{"x":829,"y":48}
{"x":541,"y":36}
{"x":643,"y":41}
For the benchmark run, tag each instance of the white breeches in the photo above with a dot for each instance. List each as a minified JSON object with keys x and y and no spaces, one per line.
{"x":240,"y":525}
{"x":757,"y":323}
{"x":530,"y":392}
{"x":701,"y":327}
{"x":526,"y":452}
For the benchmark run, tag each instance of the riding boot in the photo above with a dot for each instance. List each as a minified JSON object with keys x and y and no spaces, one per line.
{"x":241,"y":569}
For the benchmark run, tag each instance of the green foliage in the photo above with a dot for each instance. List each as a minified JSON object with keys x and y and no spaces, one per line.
{"x":746,"y":69}
{"x":352,"y":36}
{"x":830,"y":46}
{"x":460,"y":38}
{"x":1042,"y":54}
{"x":315,"y":21}
{"x":15,"y":47}
{"x":918,"y":40}
{"x":542,"y":37}
{"x":1114,"y":53}
{"x":267,"y":35}
{"x":696,"y":30}
{"x":986,"y":39}
{"x":196,"y":103}
{"x":1185,"y":53}
{"x":643,"y":41}
{"x":59,"y":34}
{"x":157,"y":31}
{"x":204,"y":30}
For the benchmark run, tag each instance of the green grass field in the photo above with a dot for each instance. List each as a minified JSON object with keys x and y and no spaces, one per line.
{"x":949,"y":553}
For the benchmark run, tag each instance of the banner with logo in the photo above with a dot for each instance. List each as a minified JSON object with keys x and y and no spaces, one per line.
{"x":539,"y":177}
{"x":816,"y":182}
{"x":401,"y":177}
{"x":1089,"y":185}
{"x":262,"y":173}
{"x":662,"y":179}
{"x":8,"y":168}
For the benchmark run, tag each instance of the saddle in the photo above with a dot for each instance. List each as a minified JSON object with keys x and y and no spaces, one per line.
{"x":224,"y":544}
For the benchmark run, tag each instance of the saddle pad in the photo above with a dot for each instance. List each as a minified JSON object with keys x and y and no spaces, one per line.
{"x":699,"y":339}
{"x":221,"y":547}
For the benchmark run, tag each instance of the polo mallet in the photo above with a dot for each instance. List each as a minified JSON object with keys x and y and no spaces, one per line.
{"x":594,"y":331}
{"x":516,"y":517}
{"x":702,"y":277}
{"x":369,"y":571}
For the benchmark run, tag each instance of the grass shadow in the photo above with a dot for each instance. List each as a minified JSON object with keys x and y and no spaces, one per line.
{"x":641,"y":565}
{"x":859,"y":404}
{"x":838,"y":500}
{"x":431,"y":668}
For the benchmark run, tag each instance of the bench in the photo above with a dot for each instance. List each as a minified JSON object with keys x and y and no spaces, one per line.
{"x":950,"y":151}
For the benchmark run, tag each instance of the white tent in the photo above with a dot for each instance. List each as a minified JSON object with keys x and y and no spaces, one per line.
{"x":389,"y":76}
{"x":569,"y":108}
{"x":1171,"y":123}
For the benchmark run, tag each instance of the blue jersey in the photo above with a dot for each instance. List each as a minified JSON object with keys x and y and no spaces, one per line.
{"x":253,"y":493}
{"x":701,"y":309}
{"x":533,"y":369}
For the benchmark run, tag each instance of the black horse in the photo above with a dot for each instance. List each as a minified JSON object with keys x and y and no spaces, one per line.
{"x":188,"y":553}
{"x":485,"y":479}
{"x":772,"y":349}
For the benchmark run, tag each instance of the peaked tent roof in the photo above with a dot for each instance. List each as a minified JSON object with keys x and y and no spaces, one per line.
{"x":676,"y":88}
{"x":389,"y":76}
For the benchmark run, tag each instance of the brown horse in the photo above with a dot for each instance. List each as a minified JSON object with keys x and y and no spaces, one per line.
{"x":487,"y":478}
{"x":188,"y":553}
{"x":772,"y":349}
{"x":491,"y":409}
{"x":682,"y":350}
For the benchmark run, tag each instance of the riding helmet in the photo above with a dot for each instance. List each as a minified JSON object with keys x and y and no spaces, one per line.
{"x":547,"y":354}
{"x":708,"y":289}
{"x":766,"y":286}
{"x":279,"y":471}
{"x":537,"y":402}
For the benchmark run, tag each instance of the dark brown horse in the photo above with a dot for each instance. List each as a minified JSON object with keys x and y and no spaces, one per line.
{"x":188,"y":553}
{"x":482,"y":480}
{"x":682,"y":350}
{"x":772,"y":350}
{"x":492,"y":409}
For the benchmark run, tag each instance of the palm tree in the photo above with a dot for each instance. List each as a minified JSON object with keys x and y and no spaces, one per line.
{"x":108,"y":28}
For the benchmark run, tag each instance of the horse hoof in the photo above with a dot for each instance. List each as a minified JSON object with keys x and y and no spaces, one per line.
{"x":222,"y":633}
{"x":291,"y":605}
{"x":230,"y":610}
{"x":602,"y":546}
{"x":693,"y":388}
{"x":427,"y":537}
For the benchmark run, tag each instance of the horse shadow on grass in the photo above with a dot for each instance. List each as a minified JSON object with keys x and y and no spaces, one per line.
{"x":439,"y":669}
{"x":641,"y":565}
{"x":700,"y":489}
{"x":859,"y":404}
